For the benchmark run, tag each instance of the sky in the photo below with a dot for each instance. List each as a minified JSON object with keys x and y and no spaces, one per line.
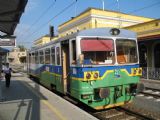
{"x":40,"y":14}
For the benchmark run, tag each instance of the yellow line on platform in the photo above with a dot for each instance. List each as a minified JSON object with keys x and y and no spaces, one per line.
{"x":53,"y":109}
{"x":50,"y":106}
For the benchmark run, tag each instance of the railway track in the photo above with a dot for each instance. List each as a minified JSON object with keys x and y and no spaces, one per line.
{"x":151,"y":92}
{"x":120,"y":113}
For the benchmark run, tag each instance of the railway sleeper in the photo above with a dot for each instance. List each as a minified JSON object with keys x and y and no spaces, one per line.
{"x":120,"y":116}
{"x":114,"y":115}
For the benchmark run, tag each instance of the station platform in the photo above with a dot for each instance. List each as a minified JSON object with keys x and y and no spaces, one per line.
{"x":27,"y":100}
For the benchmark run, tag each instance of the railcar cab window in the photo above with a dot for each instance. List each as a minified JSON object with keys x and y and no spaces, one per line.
{"x":98,"y":51}
{"x":47,"y":56}
{"x":41,"y":57}
{"x":53,"y":55}
{"x":126,"y":51}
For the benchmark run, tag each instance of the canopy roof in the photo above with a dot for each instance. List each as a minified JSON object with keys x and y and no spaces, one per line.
{"x":10,"y":13}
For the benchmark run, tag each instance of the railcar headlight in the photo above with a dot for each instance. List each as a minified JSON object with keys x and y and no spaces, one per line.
{"x":135,"y":71}
{"x":96,"y":75}
{"x":88,"y":75}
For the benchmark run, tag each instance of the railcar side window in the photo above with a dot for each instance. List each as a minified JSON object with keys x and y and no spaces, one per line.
{"x":126,"y":51}
{"x":41,"y":57}
{"x":53,"y":55}
{"x":47,"y":56}
{"x":36,"y":57}
{"x":73,"y":49}
{"x":58,"y":55}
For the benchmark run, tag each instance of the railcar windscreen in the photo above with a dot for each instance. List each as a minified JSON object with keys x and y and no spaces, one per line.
{"x":98,"y":51}
{"x":126,"y":51}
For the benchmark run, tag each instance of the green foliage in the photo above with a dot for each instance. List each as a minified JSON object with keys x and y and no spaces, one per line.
{"x":22,"y":48}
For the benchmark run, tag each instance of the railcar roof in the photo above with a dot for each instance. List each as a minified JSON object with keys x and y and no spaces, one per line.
{"x":96,"y":32}
{"x":106,"y":32}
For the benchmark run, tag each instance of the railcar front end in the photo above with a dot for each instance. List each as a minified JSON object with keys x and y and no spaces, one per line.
{"x":107,"y":72}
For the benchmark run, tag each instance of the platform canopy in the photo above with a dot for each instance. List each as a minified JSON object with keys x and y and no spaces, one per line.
{"x":10,"y":13}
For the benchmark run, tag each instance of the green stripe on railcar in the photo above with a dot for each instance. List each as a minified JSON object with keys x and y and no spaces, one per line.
{"x":48,"y":79}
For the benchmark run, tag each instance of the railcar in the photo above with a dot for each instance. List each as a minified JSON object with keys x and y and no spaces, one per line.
{"x":99,"y":67}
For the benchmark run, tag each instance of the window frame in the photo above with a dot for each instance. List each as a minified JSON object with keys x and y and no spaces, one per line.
{"x":58,"y":46}
{"x":53,"y":53}
{"x":47,"y":55}
{"x":41,"y":55}
{"x":72,"y":60}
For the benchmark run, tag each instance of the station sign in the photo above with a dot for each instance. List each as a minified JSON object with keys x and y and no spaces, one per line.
{"x":8,"y":42}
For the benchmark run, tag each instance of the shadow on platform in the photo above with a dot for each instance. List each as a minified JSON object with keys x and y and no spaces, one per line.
{"x":21,"y":101}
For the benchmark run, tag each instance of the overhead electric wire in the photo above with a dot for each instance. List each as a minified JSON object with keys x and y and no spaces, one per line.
{"x":140,"y":9}
{"x":137,"y":10}
{"x":39,"y":18}
{"x":63,"y":10}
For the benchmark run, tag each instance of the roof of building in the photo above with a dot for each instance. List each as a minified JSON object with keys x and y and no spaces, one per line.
{"x":10,"y":13}
{"x":88,"y":9}
{"x":47,"y":35}
{"x":152,"y":21}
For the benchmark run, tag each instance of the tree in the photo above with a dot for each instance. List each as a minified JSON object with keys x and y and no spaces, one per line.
{"x":22,"y":48}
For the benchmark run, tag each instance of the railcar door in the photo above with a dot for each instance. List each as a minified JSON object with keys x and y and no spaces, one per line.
{"x":65,"y":65}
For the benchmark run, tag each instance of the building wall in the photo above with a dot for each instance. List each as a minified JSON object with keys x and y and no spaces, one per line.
{"x":15,"y":56}
{"x":146,"y":29}
{"x":42,"y":40}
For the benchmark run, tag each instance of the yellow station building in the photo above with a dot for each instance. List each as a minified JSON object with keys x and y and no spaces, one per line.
{"x":43,"y":40}
{"x":95,"y":18}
